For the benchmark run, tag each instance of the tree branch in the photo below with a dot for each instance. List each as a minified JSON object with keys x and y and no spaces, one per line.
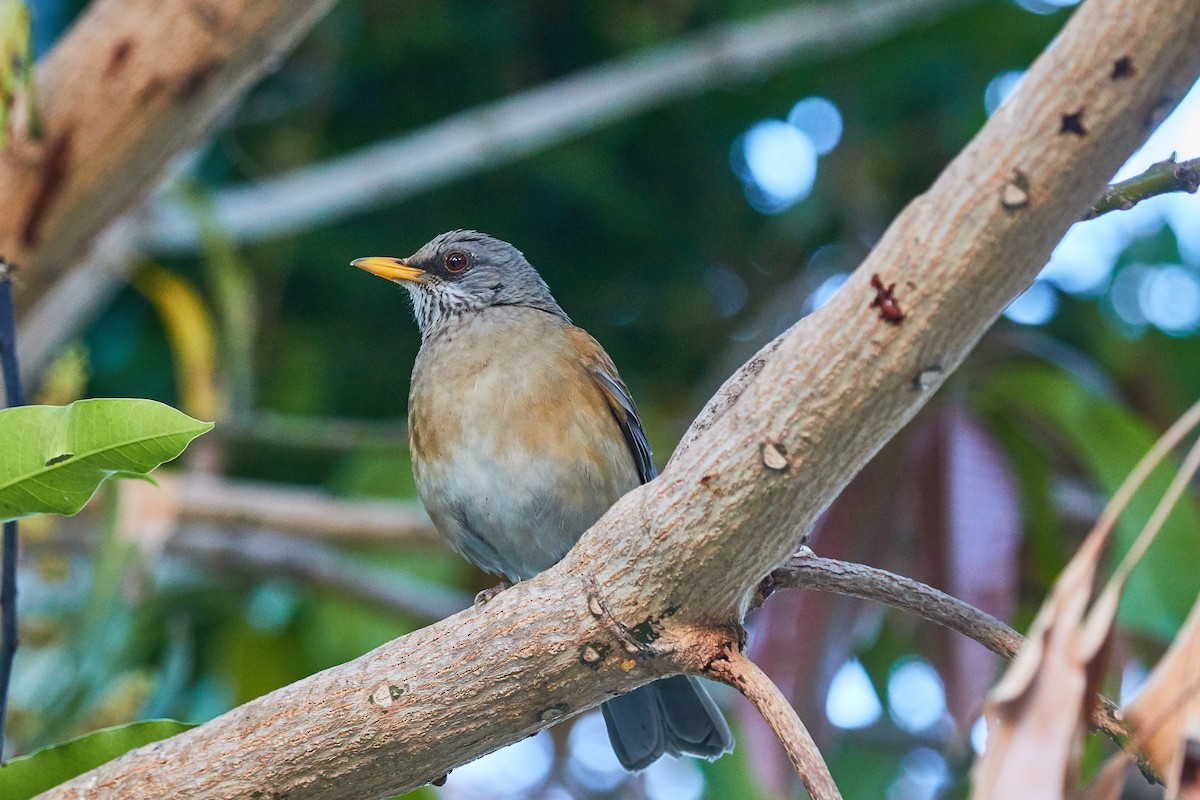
{"x":807,"y":570}
{"x":1162,"y":177}
{"x":498,"y":133}
{"x":741,"y":673}
{"x":687,"y":550}
{"x":130,"y":86}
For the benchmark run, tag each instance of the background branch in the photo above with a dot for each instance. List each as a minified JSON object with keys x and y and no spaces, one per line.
{"x":498,"y":133}
{"x":131,"y":85}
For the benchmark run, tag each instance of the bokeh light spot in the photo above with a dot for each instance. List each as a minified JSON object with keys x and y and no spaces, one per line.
{"x":777,"y":164}
{"x":852,"y":701}
{"x":590,"y":757}
{"x":1124,"y":294}
{"x":729,"y":292}
{"x":511,"y":772}
{"x":828,"y":288}
{"x":979,"y":736}
{"x":819,"y":120}
{"x":674,"y":779}
{"x":1000,"y":88}
{"x":1045,"y":6}
{"x":916,"y":699}
{"x":923,"y":775}
{"x":1170,"y":299}
{"x":1035,"y":306}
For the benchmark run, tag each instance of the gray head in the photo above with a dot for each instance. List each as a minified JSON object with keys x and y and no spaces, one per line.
{"x":463,"y":272}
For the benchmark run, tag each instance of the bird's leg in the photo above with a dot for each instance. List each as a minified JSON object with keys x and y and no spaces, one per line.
{"x":487,"y":594}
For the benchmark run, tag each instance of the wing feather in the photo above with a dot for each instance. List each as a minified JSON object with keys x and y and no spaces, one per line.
{"x":602,"y":370}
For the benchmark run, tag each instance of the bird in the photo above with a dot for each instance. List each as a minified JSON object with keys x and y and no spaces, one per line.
{"x":522,"y":435}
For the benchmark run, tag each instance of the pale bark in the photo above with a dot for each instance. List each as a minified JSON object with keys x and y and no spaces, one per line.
{"x":131,"y":85}
{"x":676,"y":562}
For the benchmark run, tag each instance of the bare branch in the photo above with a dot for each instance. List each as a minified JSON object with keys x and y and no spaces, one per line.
{"x":498,"y":133}
{"x":806,"y":570}
{"x":313,"y":433}
{"x":744,"y":675}
{"x":76,"y":299}
{"x":689,"y":548}
{"x":1162,"y":177}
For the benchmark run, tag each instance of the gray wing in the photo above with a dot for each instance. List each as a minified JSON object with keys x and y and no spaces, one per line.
{"x":625,"y":413}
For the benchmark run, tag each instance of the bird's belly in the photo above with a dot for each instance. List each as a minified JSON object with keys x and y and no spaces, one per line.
{"x":519,"y":465}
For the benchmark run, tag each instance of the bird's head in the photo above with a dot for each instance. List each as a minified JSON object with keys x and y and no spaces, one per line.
{"x":460,"y":273}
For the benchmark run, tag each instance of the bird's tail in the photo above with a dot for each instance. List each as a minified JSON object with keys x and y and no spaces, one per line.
{"x":672,"y":715}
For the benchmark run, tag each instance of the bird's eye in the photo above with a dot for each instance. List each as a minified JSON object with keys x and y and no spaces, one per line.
{"x":456,"y":261}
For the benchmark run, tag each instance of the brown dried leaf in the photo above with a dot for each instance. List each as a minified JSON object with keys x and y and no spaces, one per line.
{"x":1166,"y":715}
{"x":1038,"y":712}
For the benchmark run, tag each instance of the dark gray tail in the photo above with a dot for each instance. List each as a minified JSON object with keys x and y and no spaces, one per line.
{"x":673,"y":715}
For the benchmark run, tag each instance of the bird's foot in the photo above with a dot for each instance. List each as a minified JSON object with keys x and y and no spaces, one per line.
{"x":487,"y":594}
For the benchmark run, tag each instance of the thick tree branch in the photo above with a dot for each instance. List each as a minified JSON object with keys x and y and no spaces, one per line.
{"x":686,"y":551}
{"x":498,"y":133}
{"x":130,"y":86}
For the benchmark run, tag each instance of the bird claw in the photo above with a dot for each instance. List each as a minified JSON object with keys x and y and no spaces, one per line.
{"x":487,"y":594}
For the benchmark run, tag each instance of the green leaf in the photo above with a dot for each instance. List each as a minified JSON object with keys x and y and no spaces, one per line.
{"x":46,"y":768}
{"x":53,"y":458}
{"x":1107,"y":440}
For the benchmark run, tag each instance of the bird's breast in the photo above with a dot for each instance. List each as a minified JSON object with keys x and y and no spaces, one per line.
{"x":515,"y":451}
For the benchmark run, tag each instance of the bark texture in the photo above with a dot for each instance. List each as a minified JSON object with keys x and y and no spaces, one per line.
{"x":130,"y":86}
{"x":659,"y":584}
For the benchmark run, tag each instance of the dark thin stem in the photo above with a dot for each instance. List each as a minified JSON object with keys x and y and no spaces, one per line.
{"x":8,"y":543}
{"x":1160,"y":178}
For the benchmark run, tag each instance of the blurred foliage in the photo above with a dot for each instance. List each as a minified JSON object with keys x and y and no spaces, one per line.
{"x":640,"y":229}
{"x":22,"y":778}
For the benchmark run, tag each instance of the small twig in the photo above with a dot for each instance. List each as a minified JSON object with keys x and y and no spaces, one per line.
{"x":734,"y":669}
{"x":8,"y":541}
{"x":1162,"y":177}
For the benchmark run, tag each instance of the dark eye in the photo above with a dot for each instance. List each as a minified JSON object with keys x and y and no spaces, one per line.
{"x":456,"y":261}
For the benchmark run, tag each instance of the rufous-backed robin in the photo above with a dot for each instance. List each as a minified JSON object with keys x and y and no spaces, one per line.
{"x":522,"y":435}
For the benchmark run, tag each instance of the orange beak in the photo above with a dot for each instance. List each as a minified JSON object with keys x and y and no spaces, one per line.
{"x":394,"y":269}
